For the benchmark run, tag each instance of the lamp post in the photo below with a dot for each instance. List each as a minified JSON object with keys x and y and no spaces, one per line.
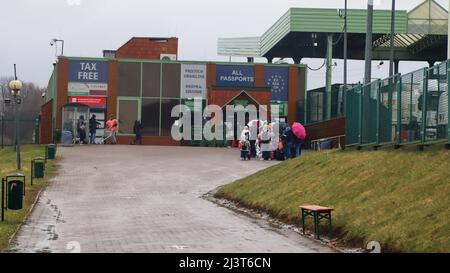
{"x":54,"y":41}
{"x":368,"y":58}
{"x":15,"y":86}
{"x":391,"y":53}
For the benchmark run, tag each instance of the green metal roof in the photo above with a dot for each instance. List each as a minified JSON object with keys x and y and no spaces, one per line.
{"x":424,"y":25}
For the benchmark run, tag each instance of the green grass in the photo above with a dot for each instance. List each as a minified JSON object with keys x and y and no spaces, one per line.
{"x":398,"y":198}
{"x":7,"y":165}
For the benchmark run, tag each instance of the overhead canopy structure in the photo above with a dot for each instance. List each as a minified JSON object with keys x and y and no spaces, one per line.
{"x":421,"y":35}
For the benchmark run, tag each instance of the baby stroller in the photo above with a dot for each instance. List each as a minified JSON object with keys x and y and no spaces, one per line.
{"x":244,"y":146}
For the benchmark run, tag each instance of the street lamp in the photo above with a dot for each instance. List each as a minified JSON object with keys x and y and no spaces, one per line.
{"x":54,"y":41}
{"x":15,"y":86}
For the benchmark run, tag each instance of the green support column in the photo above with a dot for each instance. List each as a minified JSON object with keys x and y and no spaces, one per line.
{"x":399,"y":108}
{"x":448,"y":95}
{"x":329,"y":75}
{"x":424,"y":104}
{"x":378,"y":111}
{"x":360,"y":113}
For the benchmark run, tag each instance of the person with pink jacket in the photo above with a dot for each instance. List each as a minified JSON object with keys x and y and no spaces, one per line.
{"x":113,"y":127}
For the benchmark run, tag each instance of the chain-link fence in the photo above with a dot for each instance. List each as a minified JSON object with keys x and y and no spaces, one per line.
{"x":316,"y":104}
{"x":28,"y":132}
{"x":403,"y":109}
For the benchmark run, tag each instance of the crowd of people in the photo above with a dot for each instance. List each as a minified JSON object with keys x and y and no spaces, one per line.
{"x":112,"y":127}
{"x":268,"y":145}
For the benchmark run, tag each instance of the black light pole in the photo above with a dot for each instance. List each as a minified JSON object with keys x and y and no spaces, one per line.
{"x":391,"y":62}
{"x":15,"y":86}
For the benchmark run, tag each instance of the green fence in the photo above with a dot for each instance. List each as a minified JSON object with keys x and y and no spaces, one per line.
{"x":410,"y":108}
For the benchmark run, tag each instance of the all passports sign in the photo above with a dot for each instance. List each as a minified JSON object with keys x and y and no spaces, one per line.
{"x":235,"y":75}
{"x":88,"y":78}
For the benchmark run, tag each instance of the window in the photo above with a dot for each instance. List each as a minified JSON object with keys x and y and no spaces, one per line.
{"x":129,"y":79}
{"x":171,"y":80}
{"x":166,"y":119}
{"x":150,"y":117}
{"x":151,"y":79}
{"x":128,"y":114}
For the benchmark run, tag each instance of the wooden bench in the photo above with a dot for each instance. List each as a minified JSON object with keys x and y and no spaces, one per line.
{"x":318,"y":213}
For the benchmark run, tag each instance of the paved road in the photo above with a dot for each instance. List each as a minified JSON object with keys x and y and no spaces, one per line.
{"x":147,"y":199}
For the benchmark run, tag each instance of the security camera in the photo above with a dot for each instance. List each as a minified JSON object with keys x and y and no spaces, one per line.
{"x":43,"y":94}
{"x":52,"y":42}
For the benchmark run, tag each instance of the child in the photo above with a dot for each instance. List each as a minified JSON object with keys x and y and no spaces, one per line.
{"x":245,"y":149}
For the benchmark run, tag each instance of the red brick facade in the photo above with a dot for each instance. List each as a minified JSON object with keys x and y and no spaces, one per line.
{"x":148,"y":48}
{"x":45,"y":130}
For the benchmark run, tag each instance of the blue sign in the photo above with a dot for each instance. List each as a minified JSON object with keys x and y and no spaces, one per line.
{"x":88,"y":71}
{"x":278,"y":79}
{"x":235,"y":75}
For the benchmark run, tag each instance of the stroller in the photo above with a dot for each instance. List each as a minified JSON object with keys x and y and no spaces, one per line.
{"x":244,"y":146}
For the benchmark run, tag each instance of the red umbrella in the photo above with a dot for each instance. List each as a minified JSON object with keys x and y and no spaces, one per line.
{"x":299,"y":130}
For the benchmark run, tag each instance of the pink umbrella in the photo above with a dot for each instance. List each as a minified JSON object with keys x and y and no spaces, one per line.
{"x":298,"y":130}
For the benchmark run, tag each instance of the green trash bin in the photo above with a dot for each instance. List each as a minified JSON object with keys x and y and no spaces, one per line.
{"x":38,"y":167}
{"x":15,"y":194}
{"x":51,"y":151}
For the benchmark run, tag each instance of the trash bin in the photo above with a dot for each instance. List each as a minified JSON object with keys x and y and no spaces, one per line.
{"x":66,"y":138}
{"x":15,"y":194}
{"x":38,"y":167}
{"x":51,"y":151}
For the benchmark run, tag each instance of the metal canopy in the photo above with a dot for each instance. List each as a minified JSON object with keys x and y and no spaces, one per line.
{"x":421,"y":35}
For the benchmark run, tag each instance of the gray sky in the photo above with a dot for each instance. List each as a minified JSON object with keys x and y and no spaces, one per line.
{"x":89,"y":26}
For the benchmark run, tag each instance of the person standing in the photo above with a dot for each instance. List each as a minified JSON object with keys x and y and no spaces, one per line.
{"x":265,"y":140}
{"x":93,"y":125}
{"x":81,"y":130}
{"x":137,"y":130}
{"x":113,"y":128}
{"x":287,"y":137}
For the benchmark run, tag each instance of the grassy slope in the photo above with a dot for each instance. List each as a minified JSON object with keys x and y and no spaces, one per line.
{"x":399,"y":198}
{"x":7,"y":165}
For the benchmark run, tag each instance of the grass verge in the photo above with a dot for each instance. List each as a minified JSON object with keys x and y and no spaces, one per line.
{"x":398,"y":198}
{"x":13,"y":219}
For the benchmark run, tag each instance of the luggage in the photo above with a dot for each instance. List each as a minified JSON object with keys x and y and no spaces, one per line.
{"x":279,"y":155}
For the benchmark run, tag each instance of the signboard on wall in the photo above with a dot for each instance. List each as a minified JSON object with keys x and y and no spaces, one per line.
{"x":193,"y":81}
{"x":98,"y":102}
{"x":87,"y":89}
{"x":88,"y":78}
{"x":278,"y":79}
{"x":235,"y":75}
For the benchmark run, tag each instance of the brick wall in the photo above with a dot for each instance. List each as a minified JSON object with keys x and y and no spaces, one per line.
{"x":148,"y":48}
{"x":45,"y":128}
{"x":62,"y":88}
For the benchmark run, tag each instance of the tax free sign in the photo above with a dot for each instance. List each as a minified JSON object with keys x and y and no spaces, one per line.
{"x":88,"y":78}
{"x":88,"y":71}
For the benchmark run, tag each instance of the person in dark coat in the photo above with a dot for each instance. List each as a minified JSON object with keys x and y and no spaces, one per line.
{"x":81,"y":130}
{"x":137,"y":130}
{"x":288,"y":138}
{"x":93,"y":125}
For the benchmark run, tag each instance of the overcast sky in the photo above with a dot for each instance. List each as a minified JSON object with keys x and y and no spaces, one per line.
{"x":89,"y":26}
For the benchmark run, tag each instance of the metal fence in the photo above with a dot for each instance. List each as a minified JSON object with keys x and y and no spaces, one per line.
{"x":410,"y":108}
{"x":316,"y":104}
{"x":28,"y":132}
